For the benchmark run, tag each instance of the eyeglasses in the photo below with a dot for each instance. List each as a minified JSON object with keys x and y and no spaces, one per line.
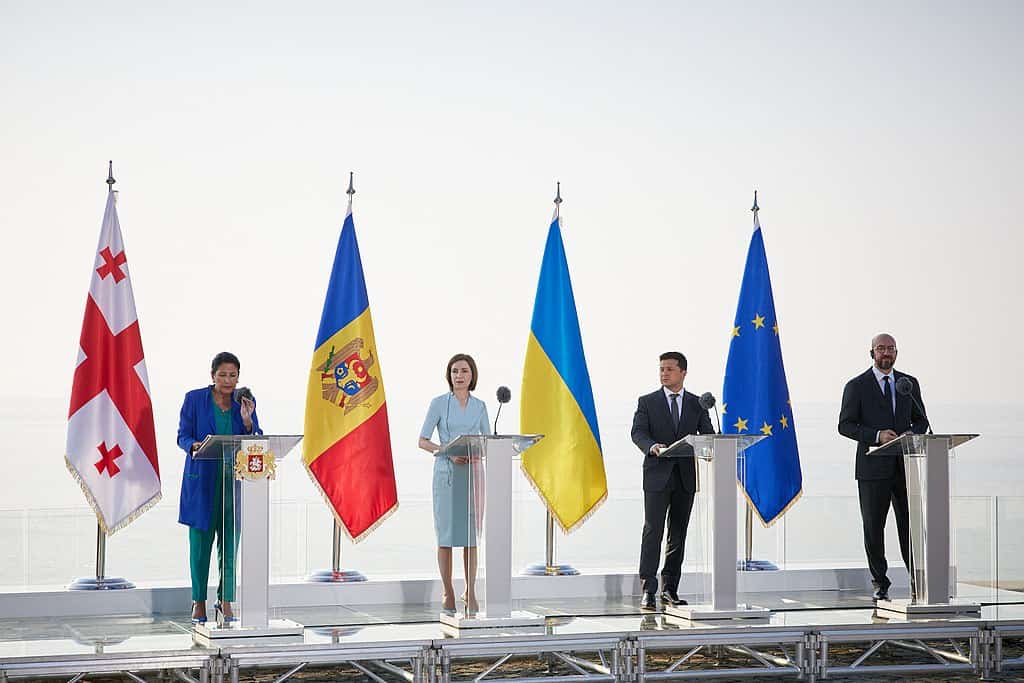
{"x":891,"y":348}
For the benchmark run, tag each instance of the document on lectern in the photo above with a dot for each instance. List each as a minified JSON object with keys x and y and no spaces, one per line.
{"x":679,"y":449}
{"x":462,"y":447}
{"x":914,"y":444}
{"x":474,"y":444}
{"x":900,"y":446}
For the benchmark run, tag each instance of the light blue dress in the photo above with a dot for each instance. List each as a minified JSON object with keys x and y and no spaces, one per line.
{"x":454,"y":521}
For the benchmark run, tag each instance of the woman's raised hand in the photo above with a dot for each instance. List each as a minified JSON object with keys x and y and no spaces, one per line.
{"x":247,"y":408}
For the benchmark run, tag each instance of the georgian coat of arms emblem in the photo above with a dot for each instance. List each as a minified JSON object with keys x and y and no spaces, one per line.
{"x":345,"y":377}
{"x":255,"y":462}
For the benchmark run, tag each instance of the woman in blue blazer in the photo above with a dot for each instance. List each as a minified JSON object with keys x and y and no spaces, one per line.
{"x":204,"y":508}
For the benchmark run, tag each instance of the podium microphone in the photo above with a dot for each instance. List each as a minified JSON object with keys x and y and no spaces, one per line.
{"x":241,"y":392}
{"x":504,"y":396}
{"x":707,"y":402}
{"x":905,"y":387}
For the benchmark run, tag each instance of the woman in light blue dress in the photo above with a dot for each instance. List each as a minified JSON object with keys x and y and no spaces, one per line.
{"x":456,"y":509}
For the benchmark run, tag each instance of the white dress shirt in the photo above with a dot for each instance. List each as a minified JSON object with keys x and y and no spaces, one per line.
{"x":879,"y":377}
{"x":679,"y":400}
{"x":668,"y":399}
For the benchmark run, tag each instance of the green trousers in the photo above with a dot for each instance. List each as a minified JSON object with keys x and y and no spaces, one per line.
{"x":200,"y":545}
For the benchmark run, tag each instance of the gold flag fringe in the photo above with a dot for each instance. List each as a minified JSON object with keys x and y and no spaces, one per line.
{"x":330,"y":506}
{"x":96,"y":508}
{"x":578,"y":523}
{"x":750,"y":504}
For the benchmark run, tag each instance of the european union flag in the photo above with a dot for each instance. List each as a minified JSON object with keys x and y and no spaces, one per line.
{"x":756,"y":398}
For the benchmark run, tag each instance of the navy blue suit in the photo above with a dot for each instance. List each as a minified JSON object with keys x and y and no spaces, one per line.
{"x":881,"y":479}
{"x":669,"y":483}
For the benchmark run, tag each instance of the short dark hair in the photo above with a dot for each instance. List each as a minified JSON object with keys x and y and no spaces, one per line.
{"x":222,"y":358}
{"x":472,"y":367}
{"x":676,"y":356}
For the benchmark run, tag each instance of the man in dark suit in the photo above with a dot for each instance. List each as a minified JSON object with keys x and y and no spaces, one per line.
{"x":873,"y":413}
{"x":662,"y":418}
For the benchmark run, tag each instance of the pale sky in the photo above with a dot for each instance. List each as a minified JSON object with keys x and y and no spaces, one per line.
{"x":884,"y":138}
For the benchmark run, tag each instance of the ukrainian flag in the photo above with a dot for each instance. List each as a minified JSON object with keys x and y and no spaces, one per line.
{"x":566,"y":466}
{"x":347,"y":444}
{"x":756,"y":395}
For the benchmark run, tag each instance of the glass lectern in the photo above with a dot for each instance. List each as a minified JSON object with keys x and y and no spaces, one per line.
{"x":926,"y":462}
{"x":482,"y":471}
{"x":247,"y":464}
{"x":720,"y":459}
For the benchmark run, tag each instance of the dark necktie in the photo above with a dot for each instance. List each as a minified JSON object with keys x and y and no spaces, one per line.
{"x":675,"y":410}
{"x":887,"y":392}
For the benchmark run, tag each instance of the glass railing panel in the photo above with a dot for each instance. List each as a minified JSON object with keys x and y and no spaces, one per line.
{"x":47,"y":548}
{"x":766,"y":542}
{"x":61,"y":545}
{"x":609,"y":540}
{"x":821,"y":530}
{"x":971,"y":545}
{"x":152,"y":550}
{"x":288,"y":541}
{"x":318,"y":536}
{"x":528,"y":528}
{"x":404,"y":546}
{"x":1010,"y":546}
{"x":14,"y":567}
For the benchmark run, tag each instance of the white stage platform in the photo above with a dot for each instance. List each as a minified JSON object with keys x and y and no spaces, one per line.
{"x":604,"y":637}
{"x":169,"y":600}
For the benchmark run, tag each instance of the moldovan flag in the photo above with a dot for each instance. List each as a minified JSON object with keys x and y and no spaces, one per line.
{"x":347,"y":445}
{"x":566,"y":466}
{"x":111,"y":448}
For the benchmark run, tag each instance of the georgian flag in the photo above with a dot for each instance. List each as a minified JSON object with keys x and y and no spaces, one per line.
{"x":111,"y":448}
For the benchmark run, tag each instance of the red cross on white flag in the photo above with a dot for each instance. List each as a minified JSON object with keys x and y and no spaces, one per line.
{"x":111,"y":447}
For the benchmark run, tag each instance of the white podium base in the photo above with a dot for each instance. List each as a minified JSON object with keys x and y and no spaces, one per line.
{"x":708,"y":613}
{"x":921,"y":609}
{"x":276,"y":630}
{"x":480,"y":620}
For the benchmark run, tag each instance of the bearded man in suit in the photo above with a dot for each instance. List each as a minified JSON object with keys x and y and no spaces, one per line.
{"x":873,"y":413}
{"x":662,"y":418}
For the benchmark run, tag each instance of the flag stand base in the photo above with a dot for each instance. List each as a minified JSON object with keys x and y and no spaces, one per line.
{"x":108,"y":583}
{"x":340,"y":576}
{"x":756,"y":566}
{"x":542,"y":569}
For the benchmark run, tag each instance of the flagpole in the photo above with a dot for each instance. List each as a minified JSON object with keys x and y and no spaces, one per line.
{"x":336,"y":574}
{"x":549,"y":567}
{"x":101,"y":582}
{"x":748,"y":536}
{"x":101,"y":538}
{"x":748,"y":563}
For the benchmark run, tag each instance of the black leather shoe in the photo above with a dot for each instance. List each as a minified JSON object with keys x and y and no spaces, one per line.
{"x":671,"y":598}
{"x":880,"y":594}
{"x":648,"y":603}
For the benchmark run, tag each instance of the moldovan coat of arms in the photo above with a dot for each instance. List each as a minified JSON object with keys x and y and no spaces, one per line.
{"x":345,"y":376}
